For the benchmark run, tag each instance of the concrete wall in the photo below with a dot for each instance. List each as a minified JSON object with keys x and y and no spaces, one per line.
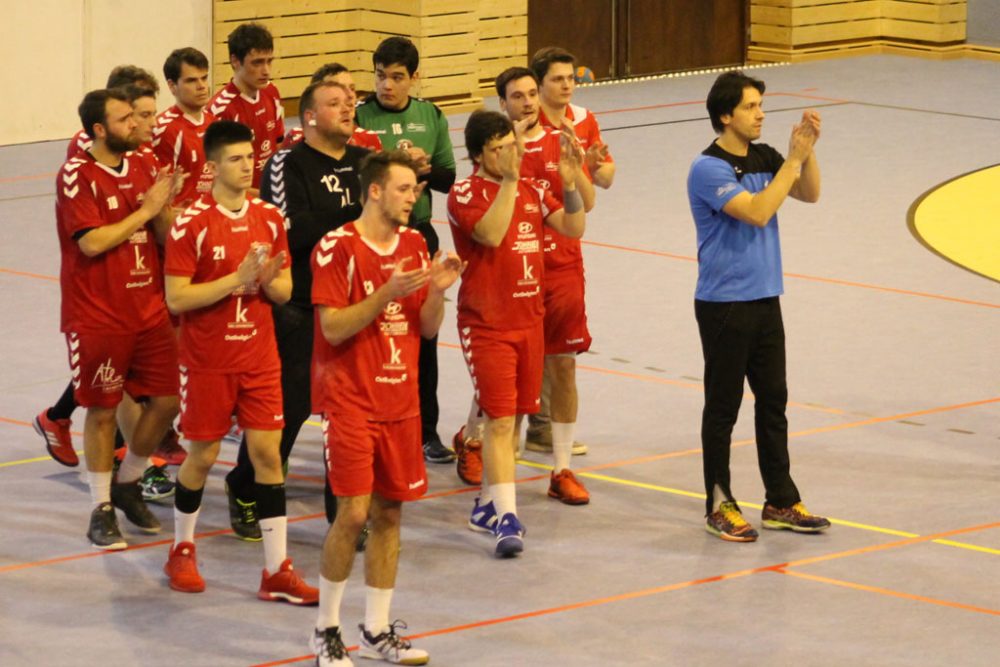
{"x":54,"y":51}
{"x":984,"y":22}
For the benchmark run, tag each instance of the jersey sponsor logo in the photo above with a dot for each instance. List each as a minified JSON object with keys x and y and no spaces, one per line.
{"x":416,"y":127}
{"x":526,"y":247}
{"x":417,"y":484}
{"x":383,"y":379}
{"x":527,"y":294}
{"x":531,"y":208}
{"x":393,"y":308}
{"x":140,"y":262}
{"x":728,"y":187}
{"x":525,"y":228}
{"x":369,"y":287}
{"x":551,"y":166}
{"x":107,"y":378}
{"x":270,"y":125}
{"x":528,"y":277}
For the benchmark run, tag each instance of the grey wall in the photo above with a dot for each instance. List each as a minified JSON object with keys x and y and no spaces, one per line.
{"x":984,"y":22}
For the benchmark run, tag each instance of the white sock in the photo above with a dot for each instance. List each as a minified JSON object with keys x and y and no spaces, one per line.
{"x":275,"y":531}
{"x":184,"y":526}
{"x":377,"y":601}
{"x":718,"y":497}
{"x":132,"y":467}
{"x":504,"y":498}
{"x":100,"y":486}
{"x":562,"y":445}
{"x":330,"y":595}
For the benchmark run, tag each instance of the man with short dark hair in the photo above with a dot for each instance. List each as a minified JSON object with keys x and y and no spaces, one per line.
{"x":496,"y":221}
{"x":250,"y":97}
{"x":735,"y":188}
{"x":377,"y":293}
{"x":120,"y":77}
{"x":110,"y":206}
{"x":179,"y":130}
{"x":227,"y":261}
{"x":418,"y":127}
{"x":315,"y":184}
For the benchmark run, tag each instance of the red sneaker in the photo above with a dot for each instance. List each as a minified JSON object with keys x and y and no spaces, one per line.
{"x":287,"y":585}
{"x":182,"y":569}
{"x":170,"y":449}
{"x":566,"y":488}
{"x":469,"y":452}
{"x":57,"y":438}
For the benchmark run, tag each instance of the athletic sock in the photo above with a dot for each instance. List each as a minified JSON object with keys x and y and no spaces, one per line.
{"x":562,"y":445}
{"x":330,"y":595}
{"x":718,"y":497}
{"x":132,"y":467}
{"x":64,"y":407}
{"x":184,"y":525}
{"x":504,"y":498}
{"x":100,"y":486}
{"x":274,"y":532}
{"x":377,"y":601}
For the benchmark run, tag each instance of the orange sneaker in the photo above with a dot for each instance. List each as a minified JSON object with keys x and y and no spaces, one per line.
{"x":469,"y":452}
{"x":182,"y":569}
{"x":566,"y":488}
{"x":287,"y":585}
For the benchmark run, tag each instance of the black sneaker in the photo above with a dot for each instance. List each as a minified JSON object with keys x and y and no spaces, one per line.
{"x":436,"y":452}
{"x":103,"y":532}
{"x":362,"y":542}
{"x":243,"y":518}
{"x":128,"y":498}
{"x":328,"y":647}
{"x":156,"y":484}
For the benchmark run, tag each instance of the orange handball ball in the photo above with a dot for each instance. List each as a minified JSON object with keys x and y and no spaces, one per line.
{"x":583,"y":75}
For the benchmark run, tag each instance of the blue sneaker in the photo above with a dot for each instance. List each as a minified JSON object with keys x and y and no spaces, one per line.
{"x":510,"y":535}
{"x":483,"y":518}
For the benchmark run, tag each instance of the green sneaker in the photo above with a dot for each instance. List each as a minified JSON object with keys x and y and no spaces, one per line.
{"x":243,"y":518}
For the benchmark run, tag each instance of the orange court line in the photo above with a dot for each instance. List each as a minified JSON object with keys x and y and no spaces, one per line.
{"x":886,"y":591}
{"x":25,"y":274}
{"x":28,"y":177}
{"x":656,"y":590}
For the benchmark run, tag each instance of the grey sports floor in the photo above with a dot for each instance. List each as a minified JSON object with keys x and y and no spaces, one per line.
{"x":894,"y":375}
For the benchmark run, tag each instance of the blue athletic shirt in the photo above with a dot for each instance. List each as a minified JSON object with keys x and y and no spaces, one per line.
{"x":737,"y":261}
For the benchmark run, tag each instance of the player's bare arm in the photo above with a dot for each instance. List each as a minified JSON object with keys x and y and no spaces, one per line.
{"x":104,"y":238}
{"x":758,"y":209}
{"x":445,"y":269}
{"x":492,"y":227}
{"x":339,"y":324}
{"x":276,"y":281}
{"x":807,"y":188}
{"x":182,"y":295}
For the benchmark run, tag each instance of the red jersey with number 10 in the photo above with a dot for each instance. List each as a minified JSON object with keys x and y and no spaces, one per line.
{"x":263,"y":114}
{"x":208,"y":242}
{"x":501,"y":287}
{"x":119,"y":291}
{"x":373,"y":374}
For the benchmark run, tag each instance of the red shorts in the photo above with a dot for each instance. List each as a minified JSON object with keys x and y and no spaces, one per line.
{"x":565,"y":312}
{"x":365,"y":456}
{"x":209,"y":401}
{"x":506,"y":369}
{"x":103,"y":366}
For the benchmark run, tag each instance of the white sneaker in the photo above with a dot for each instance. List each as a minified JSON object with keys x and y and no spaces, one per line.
{"x":391,"y":647}
{"x":328,"y":647}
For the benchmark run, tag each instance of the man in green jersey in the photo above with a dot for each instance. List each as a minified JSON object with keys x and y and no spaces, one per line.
{"x":420,"y":128}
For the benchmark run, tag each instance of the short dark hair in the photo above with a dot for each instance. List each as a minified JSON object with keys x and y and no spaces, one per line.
{"x":134,"y":91}
{"x":307,"y":102}
{"x":375,"y":167}
{"x":482,"y":127}
{"x":224,"y":133}
{"x":189,"y":56}
{"x":726,"y":94}
{"x":397,"y":51}
{"x":248,"y":37}
{"x":125,"y":75}
{"x":512,"y":74}
{"x":329,"y":69}
{"x":544,"y":57}
{"x":94,"y":107}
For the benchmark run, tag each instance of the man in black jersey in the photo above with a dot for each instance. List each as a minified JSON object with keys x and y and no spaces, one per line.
{"x":315,"y":184}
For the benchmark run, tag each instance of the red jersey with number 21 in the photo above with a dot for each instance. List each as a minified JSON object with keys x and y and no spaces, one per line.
{"x":501,"y":287}
{"x":208,"y":242}
{"x":372,"y":374}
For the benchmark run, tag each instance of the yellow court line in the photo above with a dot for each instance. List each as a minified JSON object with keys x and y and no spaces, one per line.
{"x":37,"y":459}
{"x":701,"y":496}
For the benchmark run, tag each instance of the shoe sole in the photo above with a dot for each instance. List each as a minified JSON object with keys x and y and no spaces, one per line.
{"x":182,"y":589}
{"x":440,"y":459}
{"x":247,"y":538}
{"x":508,"y":548}
{"x":158,"y":497}
{"x":777,"y":525}
{"x":541,"y":448}
{"x":729,"y":538}
{"x":479,"y":529}
{"x":372,"y":654}
{"x":117,"y":546}
{"x":48,"y":447}
{"x":285,"y":597}
{"x":569,"y":501}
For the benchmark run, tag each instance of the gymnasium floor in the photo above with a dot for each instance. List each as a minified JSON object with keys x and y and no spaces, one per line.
{"x":895,"y":429}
